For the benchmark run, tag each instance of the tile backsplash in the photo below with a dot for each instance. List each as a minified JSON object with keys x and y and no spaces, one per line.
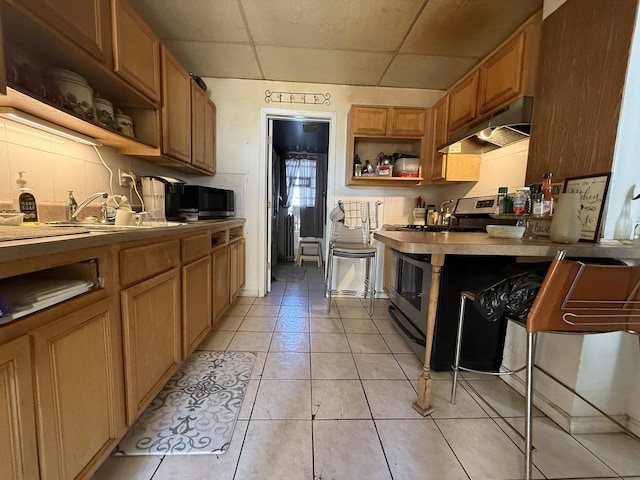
{"x":55,"y":165}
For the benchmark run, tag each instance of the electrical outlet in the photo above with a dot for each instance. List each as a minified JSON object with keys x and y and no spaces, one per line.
{"x":123,"y":179}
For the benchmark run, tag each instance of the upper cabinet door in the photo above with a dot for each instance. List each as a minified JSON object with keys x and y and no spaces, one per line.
{"x":198,"y":125}
{"x":462,"y":106}
{"x":210,"y":136}
{"x":440,"y":120}
{"x":136,"y":50}
{"x":369,"y":120}
{"x":85,"y":22}
{"x":176,"y":109}
{"x":408,"y":122}
{"x":501,"y":76}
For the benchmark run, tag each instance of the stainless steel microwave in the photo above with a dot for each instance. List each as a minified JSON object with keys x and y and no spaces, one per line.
{"x":208,"y":202}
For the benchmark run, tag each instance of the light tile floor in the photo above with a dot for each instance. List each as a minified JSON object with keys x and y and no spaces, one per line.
{"x":330,"y":398}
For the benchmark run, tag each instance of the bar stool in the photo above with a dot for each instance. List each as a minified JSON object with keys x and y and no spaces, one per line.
{"x":316,"y":256}
{"x":351,"y":244}
{"x":580,"y":298}
{"x":456,"y":367}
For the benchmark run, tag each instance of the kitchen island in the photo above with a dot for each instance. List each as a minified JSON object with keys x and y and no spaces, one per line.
{"x":439,"y":244}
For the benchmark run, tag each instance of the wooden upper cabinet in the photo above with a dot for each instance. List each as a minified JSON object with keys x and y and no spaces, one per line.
{"x":198,"y":125}
{"x":85,"y":22}
{"x":507,"y":73}
{"x":176,"y":109}
{"x":439,"y":127}
{"x":136,"y":50}
{"x":388,"y":121}
{"x":501,"y":76}
{"x":369,"y":120}
{"x":582,"y":73}
{"x":203,"y":113}
{"x":463,"y":101}
{"x":408,"y":122}
{"x":210,"y":139}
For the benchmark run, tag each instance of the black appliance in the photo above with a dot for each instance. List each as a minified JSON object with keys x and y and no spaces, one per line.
{"x":173,"y":188}
{"x":483,"y":342}
{"x":208,"y":202}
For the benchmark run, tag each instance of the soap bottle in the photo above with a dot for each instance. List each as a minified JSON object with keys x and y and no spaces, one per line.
{"x":24,"y":201}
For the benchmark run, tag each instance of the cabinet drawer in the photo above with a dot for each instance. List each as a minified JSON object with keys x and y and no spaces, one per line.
{"x":142,"y":262}
{"x":195,"y":247}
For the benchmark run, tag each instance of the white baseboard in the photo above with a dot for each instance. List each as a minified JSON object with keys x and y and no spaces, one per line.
{"x":573,"y":425}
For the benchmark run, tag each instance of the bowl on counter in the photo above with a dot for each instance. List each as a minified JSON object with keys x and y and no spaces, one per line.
{"x":505,"y":231}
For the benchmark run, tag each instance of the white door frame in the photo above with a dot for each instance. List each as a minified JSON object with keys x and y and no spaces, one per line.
{"x":266,"y":169}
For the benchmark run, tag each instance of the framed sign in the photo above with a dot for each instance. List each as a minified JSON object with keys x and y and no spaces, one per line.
{"x":593,"y":192}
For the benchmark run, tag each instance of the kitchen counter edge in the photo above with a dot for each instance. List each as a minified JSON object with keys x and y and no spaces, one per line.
{"x":34,"y":247}
{"x":465,"y":243}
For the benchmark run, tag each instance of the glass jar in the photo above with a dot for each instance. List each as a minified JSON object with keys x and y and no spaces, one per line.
{"x":537,"y":207}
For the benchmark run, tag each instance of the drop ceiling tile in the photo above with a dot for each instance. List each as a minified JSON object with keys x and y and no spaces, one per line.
{"x":322,"y":66}
{"x":199,"y":20}
{"x":424,"y":71}
{"x":470,"y":28}
{"x":224,"y":60}
{"x":370,"y":25}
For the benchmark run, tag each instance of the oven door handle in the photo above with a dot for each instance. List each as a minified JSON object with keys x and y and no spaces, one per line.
{"x":392,"y":311}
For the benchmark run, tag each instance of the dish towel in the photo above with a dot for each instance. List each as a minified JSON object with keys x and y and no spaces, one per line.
{"x":352,"y":214}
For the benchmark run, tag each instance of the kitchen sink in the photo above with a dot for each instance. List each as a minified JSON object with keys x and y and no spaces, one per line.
{"x":110,"y":227}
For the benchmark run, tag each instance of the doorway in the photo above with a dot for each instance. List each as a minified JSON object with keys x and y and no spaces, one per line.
{"x":299,"y":167}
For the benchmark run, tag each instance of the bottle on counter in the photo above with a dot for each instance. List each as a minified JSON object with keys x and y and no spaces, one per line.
{"x":520,"y":202}
{"x":24,"y":201}
{"x":547,"y":194}
{"x":537,"y":207}
{"x":502,"y":195}
{"x":71,"y":206}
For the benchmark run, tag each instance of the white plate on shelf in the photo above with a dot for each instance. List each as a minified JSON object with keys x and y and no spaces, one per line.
{"x":505,"y":231}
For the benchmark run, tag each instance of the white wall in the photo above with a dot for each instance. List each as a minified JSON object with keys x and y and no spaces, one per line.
{"x":240,"y":151}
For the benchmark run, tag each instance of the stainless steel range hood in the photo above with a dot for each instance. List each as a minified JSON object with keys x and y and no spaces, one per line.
{"x":508,"y":125}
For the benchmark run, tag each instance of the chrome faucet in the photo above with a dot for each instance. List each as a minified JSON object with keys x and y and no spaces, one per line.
{"x":85,"y":202}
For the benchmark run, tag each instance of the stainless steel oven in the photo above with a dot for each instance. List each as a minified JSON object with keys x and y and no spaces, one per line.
{"x":409,"y":295}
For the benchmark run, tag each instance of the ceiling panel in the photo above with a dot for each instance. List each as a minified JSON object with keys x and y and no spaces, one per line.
{"x":467,"y":28}
{"x":432,"y":42}
{"x":423,"y":71}
{"x":224,"y":60}
{"x":322,"y":66}
{"x":371,"y":25}
{"x":198,"y":20}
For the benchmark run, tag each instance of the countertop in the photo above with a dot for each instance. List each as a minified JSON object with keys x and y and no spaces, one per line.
{"x":480,"y":243}
{"x":33,"y":247}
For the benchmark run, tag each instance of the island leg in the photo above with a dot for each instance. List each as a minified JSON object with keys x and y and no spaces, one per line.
{"x":423,"y":403}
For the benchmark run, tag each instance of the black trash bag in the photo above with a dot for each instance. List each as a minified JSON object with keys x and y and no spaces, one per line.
{"x":509,"y":298}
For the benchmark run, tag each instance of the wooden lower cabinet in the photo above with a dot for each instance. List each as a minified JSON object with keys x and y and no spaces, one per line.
{"x":221,"y":284}
{"x":236,"y":268}
{"x":152,"y":343}
{"x":79,"y":387}
{"x":196,"y":303}
{"x":19,"y":454}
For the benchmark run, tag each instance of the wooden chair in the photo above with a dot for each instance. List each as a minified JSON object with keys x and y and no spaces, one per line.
{"x":577,"y":297}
